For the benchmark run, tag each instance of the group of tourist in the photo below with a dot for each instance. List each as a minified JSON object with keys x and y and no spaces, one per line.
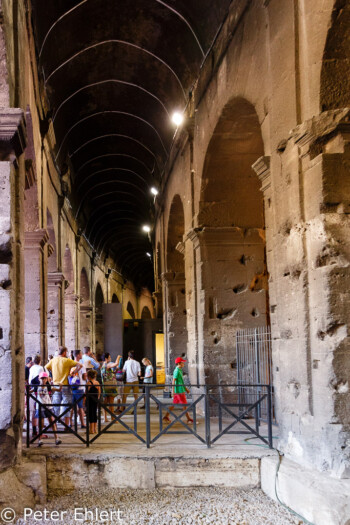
{"x":65,"y":380}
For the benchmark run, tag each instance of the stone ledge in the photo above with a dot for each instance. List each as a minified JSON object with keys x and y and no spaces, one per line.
{"x":319,"y":498}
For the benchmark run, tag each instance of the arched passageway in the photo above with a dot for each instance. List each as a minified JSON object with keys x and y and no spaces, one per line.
{"x":146,"y":314}
{"x":85,"y":310}
{"x":99,"y":330}
{"x":174,"y":283}
{"x":115,"y":298}
{"x":232,"y":239}
{"x":130,"y":310}
{"x":70,"y":301}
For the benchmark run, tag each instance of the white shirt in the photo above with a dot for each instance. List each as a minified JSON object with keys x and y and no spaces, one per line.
{"x":132,"y":369}
{"x":34,"y":372}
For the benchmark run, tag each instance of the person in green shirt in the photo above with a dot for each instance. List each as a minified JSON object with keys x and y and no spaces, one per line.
{"x":179,"y":389}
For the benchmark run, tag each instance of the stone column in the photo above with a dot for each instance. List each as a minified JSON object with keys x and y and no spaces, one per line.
{"x":55,"y":329}
{"x":12,"y":174}
{"x":310,"y":281}
{"x":175,"y":300}
{"x":85,"y":326}
{"x":70,"y":313}
{"x":35,"y":318}
{"x":158,"y":302}
{"x":231,"y":294}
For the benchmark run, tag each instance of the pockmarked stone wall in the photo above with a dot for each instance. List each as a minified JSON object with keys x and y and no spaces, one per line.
{"x":280,"y":200}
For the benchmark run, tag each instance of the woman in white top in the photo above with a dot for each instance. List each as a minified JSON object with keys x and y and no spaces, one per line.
{"x":34,"y":372}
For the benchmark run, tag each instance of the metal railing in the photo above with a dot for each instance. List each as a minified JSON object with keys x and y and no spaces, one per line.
{"x":220,"y":414}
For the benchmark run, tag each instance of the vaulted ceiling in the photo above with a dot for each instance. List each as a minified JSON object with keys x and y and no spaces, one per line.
{"x":114,"y":72}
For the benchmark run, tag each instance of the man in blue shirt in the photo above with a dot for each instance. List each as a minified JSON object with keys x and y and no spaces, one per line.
{"x":87,"y":358}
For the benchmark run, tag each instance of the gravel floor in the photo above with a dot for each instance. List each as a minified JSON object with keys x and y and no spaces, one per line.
{"x":197,"y":506}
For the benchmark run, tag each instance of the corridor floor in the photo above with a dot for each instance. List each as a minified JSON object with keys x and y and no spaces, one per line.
{"x":195,"y":506}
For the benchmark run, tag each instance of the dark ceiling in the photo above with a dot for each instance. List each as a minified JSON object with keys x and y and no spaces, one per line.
{"x":114,"y":72}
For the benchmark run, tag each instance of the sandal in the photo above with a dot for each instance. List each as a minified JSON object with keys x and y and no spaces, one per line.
{"x":166,"y":419}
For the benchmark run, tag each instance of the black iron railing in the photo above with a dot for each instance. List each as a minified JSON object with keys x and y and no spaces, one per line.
{"x":220,"y":413}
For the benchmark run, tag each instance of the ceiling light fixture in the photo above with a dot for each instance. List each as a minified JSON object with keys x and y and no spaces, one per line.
{"x":177,"y":118}
{"x":154,"y":191}
{"x":148,"y":254}
{"x":146,"y":228}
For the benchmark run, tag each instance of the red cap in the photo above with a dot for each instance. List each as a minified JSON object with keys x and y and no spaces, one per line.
{"x":179,"y":360}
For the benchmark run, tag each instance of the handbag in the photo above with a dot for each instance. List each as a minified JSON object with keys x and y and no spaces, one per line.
{"x":120,"y":375}
{"x":108,"y":380}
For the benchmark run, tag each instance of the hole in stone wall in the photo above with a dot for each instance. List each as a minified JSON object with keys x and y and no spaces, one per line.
{"x":5,"y":253}
{"x":6,"y":284}
{"x":240,"y":288}
{"x":255,"y":312}
{"x":243,"y":260}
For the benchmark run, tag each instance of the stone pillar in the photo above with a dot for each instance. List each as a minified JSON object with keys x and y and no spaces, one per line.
{"x":70,"y":314}
{"x":35,"y":318}
{"x":310,"y":283}
{"x":176,"y":328}
{"x":85,"y":326}
{"x":55,"y":329}
{"x":12,"y":174}
{"x":158,"y":302}
{"x":231,"y":294}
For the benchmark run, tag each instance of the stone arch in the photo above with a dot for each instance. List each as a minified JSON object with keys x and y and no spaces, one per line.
{"x":146,"y":313}
{"x":115,"y":298}
{"x":175,"y":284}
{"x":85,"y":309}
{"x":335,"y":72}
{"x":99,"y":331}
{"x":69,"y":300}
{"x":231,"y":237}
{"x":130,"y":310}
{"x":55,"y":329}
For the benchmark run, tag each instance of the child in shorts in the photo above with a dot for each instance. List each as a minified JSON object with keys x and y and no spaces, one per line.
{"x":44,"y":398}
{"x":179,"y":389}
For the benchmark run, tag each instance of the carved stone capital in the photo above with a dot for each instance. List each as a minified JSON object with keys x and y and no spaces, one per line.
{"x":262,"y":169}
{"x":35,"y":240}
{"x":316,"y":133}
{"x":225,"y":236}
{"x":55,"y":279}
{"x":180,"y":247}
{"x":173,"y":278}
{"x":12,"y":133}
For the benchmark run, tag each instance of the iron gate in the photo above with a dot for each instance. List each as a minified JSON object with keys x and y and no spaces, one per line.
{"x":254,"y":366}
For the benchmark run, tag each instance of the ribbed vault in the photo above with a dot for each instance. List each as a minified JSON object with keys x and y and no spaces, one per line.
{"x":114,"y":71}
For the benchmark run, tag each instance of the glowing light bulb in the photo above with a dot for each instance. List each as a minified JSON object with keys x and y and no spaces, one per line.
{"x":148,"y":254}
{"x":146,"y":228}
{"x":154,"y":191}
{"x":177,"y":118}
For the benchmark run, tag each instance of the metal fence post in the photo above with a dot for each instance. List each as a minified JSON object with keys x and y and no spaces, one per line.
{"x":269,"y":416}
{"x":87,"y":417}
{"x":148,"y":415}
{"x":28,"y":414}
{"x":207,"y":417}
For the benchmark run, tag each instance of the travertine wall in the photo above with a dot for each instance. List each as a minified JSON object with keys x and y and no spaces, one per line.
{"x":289,"y":62}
